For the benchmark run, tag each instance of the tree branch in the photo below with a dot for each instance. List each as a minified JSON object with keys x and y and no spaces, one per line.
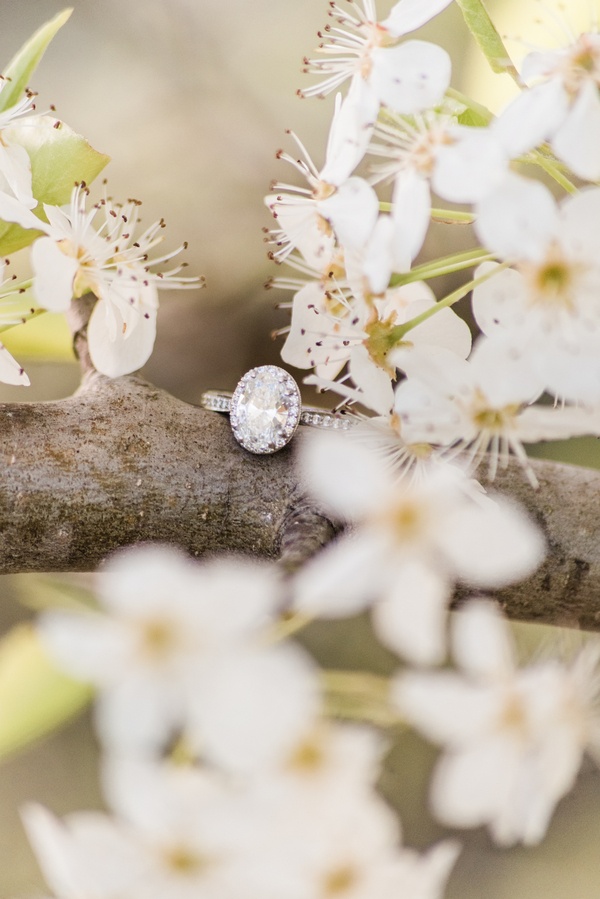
{"x":123,"y":462}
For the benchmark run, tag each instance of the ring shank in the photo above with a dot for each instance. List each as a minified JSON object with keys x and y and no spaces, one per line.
{"x":312,"y":416}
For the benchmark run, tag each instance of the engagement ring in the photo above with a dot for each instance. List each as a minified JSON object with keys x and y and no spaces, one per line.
{"x":265,"y":410}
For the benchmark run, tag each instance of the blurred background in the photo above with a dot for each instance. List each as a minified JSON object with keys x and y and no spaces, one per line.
{"x":191,"y":99}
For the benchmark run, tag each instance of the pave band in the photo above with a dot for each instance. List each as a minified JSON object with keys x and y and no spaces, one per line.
{"x":220,"y":401}
{"x":265,"y":410}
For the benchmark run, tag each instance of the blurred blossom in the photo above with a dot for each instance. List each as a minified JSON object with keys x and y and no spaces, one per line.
{"x":513,"y":738}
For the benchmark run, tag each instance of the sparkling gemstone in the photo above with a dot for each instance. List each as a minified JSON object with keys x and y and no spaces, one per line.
{"x":265,"y":409}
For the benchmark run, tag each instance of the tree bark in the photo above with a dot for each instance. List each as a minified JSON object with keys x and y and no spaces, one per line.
{"x":123,"y":462}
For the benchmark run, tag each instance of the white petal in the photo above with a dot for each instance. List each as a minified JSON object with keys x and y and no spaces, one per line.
{"x":518,"y":219}
{"x":579,"y":215}
{"x":493,"y":545}
{"x":352,"y":211}
{"x":54,"y":274}
{"x":378,"y":260}
{"x":254,"y":708}
{"x":10,"y":370}
{"x":444,"y":707}
{"x":531,"y":117}
{"x":13,"y":210}
{"x":129,"y":349}
{"x":412,"y":621}
{"x":411,"y":216}
{"x":410,"y":77}
{"x":15,"y":167}
{"x":444,"y":329}
{"x":343,"y":579}
{"x":374,"y":383}
{"x":350,"y":133}
{"x":469,"y":787}
{"x":344,"y":476}
{"x":52,"y":845}
{"x":300,"y":223}
{"x":90,"y":647}
{"x":538,"y":423}
{"x":468,"y":169}
{"x":577,"y":141}
{"x":500,"y":303}
{"x":481,"y":641}
{"x":140,"y":714}
{"x":408,"y":15}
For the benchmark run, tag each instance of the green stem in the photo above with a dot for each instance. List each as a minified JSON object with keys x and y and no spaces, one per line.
{"x":287,"y":627}
{"x":444,"y":266}
{"x":552,"y":168}
{"x":361,"y":696}
{"x":452,"y":216}
{"x":446,"y":216}
{"x":397,"y":334}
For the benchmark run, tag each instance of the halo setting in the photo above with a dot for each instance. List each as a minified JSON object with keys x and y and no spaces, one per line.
{"x":265,"y":409}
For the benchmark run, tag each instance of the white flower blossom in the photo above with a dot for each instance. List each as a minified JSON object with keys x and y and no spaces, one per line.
{"x":460,"y":164}
{"x":513,"y":738}
{"x":76,"y":257}
{"x":406,"y":77}
{"x":410,"y":544}
{"x":547,"y":304}
{"x":329,"y":330}
{"x":562,"y":106}
{"x":177,"y":833}
{"x":169,"y":631}
{"x":316,"y":218}
{"x":483,"y":406}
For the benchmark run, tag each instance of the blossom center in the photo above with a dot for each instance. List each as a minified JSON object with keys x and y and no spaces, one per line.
{"x":582,"y":64}
{"x":553,"y":282}
{"x":407,"y":520}
{"x":158,"y":638}
{"x":340,"y":880}
{"x":181,"y":860}
{"x":381,"y":338}
{"x":488,"y":418}
{"x":307,"y":757}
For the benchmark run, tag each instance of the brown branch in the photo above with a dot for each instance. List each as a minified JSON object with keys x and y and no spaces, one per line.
{"x":123,"y":462}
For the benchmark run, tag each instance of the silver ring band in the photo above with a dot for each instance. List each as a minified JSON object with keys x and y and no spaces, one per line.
{"x":265,"y":410}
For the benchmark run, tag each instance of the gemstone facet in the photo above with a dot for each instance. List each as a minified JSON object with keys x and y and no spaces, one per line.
{"x":265,"y":409}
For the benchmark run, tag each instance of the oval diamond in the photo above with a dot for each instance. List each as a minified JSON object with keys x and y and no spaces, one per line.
{"x":265,"y":409}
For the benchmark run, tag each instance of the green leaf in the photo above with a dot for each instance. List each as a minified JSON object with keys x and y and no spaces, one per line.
{"x":35,"y":698}
{"x":484,"y":31}
{"x":473,"y":118}
{"x":20,"y":69}
{"x":59,"y":158}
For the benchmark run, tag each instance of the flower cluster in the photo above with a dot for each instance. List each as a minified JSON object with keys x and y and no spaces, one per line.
{"x":80,"y":251}
{"x":361,"y":316}
{"x":221,"y":766}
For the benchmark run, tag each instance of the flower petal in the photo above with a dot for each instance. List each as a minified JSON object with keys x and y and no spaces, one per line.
{"x":128,"y":350}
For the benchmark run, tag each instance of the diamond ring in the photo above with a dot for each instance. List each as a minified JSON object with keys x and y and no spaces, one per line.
{"x":265,"y":410}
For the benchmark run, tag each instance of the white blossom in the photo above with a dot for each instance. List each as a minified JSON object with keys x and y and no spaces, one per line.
{"x":410,"y":544}
{"x":513,"y":738}
{"x":482,"y":407}
{"x":547,"y":304}
{"x":460,"y":164}
{"x":406,"y":77}
{"x":76,"y":257}
{"x":166,"y":627}
{"x":562,"y":106}
{"x":329,"y":329}
{"x":177,"y":832}
{"x":314,"y":219}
